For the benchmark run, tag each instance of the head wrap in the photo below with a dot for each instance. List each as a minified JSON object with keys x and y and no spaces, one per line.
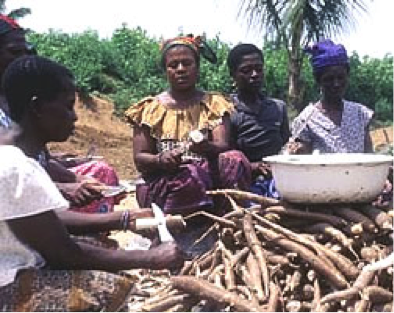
{"x":236,"y":54}
{"x":326,"y":53}
{"x":196,"y":44}
{"x":7,"y":24}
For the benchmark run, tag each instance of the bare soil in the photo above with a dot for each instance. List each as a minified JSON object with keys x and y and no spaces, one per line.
{"x":99,"y":126}
{"x":382,"y":137}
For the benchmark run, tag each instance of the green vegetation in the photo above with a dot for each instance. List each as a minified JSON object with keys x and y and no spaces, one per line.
{"x":126,"y":68}
{"x":297,"y":23}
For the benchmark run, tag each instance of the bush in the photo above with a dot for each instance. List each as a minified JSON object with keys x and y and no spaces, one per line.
{"x":126,"y":68}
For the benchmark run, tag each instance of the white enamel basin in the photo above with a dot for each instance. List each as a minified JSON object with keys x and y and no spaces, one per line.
{"x":330,"y":178}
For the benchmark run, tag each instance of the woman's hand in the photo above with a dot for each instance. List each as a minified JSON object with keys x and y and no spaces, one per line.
{"x":150,"y":233}
{"x":261,"y":168}
{"x":170,"y":160}
{"x":165,"y":256}
{"x":82,"y":193}
{"x":297,"y":147}
{"x":385,"y":197}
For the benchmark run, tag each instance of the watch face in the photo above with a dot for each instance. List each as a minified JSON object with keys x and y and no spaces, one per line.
{"x":196,"y":136}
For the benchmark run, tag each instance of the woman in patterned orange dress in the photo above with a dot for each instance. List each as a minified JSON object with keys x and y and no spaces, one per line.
{"x":177,"y":170}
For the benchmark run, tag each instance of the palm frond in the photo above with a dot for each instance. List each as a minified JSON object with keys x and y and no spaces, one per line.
{"x":264,"y":15}
{"x":320,"y":18}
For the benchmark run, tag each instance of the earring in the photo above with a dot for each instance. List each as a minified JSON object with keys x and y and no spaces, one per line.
{"x":234,"y":86}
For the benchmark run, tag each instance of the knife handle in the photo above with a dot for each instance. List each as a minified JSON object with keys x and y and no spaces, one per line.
{"x":173,"y":222}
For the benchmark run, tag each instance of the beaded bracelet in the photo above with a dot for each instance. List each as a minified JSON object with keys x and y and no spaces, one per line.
{"x":125,"y":220}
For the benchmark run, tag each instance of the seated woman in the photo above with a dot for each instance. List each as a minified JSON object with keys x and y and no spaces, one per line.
{"x":13,"y":45}
{"x":177,"y":171}
{"x":41,"y":96}
{"x":332,"y":124}
{"x":41,"y":267}
{"x":259,"y":125}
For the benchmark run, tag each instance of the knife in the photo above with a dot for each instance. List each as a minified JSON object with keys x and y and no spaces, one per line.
{"x":165,"y":235}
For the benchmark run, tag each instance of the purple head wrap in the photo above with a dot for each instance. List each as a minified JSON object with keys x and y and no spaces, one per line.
{"x":326,"y":53}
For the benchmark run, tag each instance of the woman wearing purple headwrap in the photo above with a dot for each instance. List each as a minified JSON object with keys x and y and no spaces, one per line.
{"x":332,"y":124}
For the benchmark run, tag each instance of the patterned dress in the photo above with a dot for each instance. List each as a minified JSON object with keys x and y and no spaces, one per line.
{"x":184,"y":192}
{"x":26,"y":283}
{"x":170,"y":124}
{"x":99,"y":170}
{"x":327,"y":137}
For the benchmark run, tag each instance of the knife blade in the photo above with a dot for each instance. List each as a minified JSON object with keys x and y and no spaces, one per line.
{"x":165,"y":235}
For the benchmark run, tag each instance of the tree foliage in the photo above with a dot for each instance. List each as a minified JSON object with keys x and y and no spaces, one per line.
{"x":126,"y":68}
{"x":295,"y":23}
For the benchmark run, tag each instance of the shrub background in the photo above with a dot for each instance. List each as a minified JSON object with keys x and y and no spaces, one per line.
{"x":126,"y":68}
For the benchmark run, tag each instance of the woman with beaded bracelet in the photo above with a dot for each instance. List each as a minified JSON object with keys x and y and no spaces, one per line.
{"x":43,"y":268}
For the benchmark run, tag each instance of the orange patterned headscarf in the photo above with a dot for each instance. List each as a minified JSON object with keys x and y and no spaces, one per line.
{"x":189,"y":41}
{"x":7,"y":24}
{"x":197,"y":44}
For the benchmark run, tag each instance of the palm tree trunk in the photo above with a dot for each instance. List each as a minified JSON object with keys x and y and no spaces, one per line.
{"x":295,"y":84}
{"x":295,"y":66}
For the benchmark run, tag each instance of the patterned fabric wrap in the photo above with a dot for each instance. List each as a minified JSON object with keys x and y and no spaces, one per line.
{"x":7,"y":24}
{"x":326,"y":53}
{"x":197,"y":44}
{"x":105,"y":174}
{"x":323,"y":135}
{"x":184,"y":191}
{"x":264,"y":187}
{"x":65,"y":291}
{"x":189,"y":41}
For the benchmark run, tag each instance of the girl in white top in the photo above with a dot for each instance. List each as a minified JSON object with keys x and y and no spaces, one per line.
{"x":41,"y":266}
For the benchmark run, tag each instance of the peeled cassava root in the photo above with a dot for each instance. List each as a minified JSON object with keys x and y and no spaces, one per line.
{"x":281,"y":257}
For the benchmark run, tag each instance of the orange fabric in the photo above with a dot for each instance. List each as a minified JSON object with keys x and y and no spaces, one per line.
{"x":192,"y":42}
{"x":175,"y":123}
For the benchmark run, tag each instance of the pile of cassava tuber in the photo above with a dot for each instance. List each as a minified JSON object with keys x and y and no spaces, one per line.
{"x":276,"y":256}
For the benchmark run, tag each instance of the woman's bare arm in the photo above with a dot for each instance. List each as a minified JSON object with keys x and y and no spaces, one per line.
{"x":144,"y":150}
{"x":78,"y":223}
{"x":46,"y":234}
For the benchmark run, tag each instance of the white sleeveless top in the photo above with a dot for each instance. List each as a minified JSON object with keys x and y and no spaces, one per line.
{"x":25,"y":190}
